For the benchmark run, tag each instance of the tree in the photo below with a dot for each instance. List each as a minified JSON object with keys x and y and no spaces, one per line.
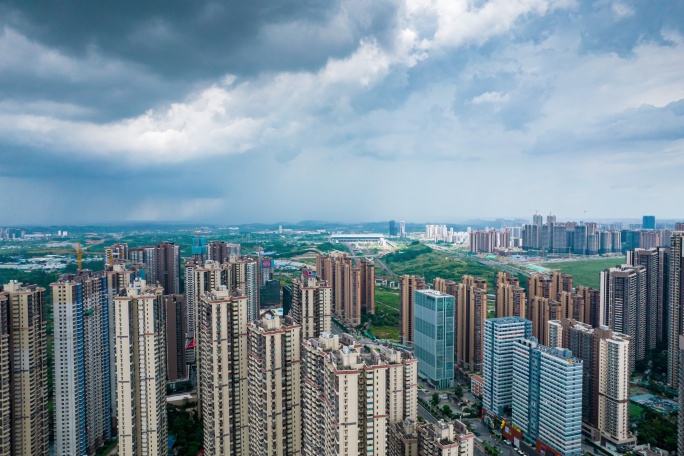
{"x":435,"y":399}
{"x":447,"y":410}
{"x":458,"y":391}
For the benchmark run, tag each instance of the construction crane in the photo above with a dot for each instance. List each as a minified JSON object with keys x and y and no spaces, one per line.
{"x":79,"y":255}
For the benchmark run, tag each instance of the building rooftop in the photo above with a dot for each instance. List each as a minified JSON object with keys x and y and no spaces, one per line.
{"x":434,"y":293}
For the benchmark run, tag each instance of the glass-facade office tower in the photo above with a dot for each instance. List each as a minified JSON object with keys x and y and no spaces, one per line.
{"x":497,"y":368}
{"x":648,"y":222}
{"x":434,"y":336}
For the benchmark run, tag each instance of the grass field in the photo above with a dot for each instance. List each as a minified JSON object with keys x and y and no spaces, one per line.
{"x":385,"y":332}
{"x":635,"y":410}
{"x":585,"y":272}
{"x":422,"y":260}
{"x":386,"y":321}
{"x":387,"y":298}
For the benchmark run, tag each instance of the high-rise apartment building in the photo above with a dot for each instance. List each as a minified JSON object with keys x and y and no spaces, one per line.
{"x":350,"y":398}
{"x":548,"y":286}
{"x":367,"y":269}
{"x":223,"y":372}
{"x":434,"y":336}
{"x":393,"y":228}
{"x":403,"y":438}
{"x":547,"y":396}
{"x":497,"y":366}
{"x":483,"y":241}
{"x":116,"y":253}
{"x":238,"y":274}
{"x":274,"y":386}
{"x":118,"y":278}
{"x":592,"y":305}
{"x":176,"y":331}
{"x":140,"y":334}
{"x":5,"y":377}
{"x":605,"y":242}
{"x":511,"y":300}
{"x":199,"y":250}
{"x":680,"y":421}
{"x":623,"y":298}
{"x":648,"y":222}
{"x":148,"y":257}
{"x":245,"y":277}
{"x":679,"y":226}
{"x":167,"y":266}
{"x":544,"y":292}
{"x":402,"y":229}
{"x":541,"y":311}
{"x":605,"y":392}
{"x":266,"y":268}
{"x":571,"y":305}
{"x":470,"y":315}
{"x":445,"y":439}
{"x":408,"y":286}
{"x":24,"y":421}
{"x":560,"y":239}
{"x":531,"y":237}
{"x":353,"y":287}
{"x":579,"y":242}
{"x":311,"y":305}
{"x":675,"y":306}
{"x":221,"y":251}
{"x":655,"y":265}
{"x":83,"y":396}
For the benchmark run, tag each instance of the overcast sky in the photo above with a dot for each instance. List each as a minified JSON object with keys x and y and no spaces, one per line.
{"x":352,"y":110}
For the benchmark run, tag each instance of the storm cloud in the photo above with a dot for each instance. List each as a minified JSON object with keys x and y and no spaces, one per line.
{"x":346,"y":110}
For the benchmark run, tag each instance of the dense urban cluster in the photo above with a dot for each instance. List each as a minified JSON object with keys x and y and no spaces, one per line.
{"x":275,"y":374}
{"x":564,"y":238}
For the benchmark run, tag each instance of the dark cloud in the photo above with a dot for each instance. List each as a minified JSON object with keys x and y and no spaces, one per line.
{"x":203,"y":39}
{"x":341,"y":110}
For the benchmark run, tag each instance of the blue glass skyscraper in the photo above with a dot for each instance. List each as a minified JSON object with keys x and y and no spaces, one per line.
{"x":434,"y":336}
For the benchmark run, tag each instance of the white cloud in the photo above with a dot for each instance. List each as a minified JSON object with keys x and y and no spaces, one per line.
{"x":622,"y":10}
{"x":490,"y":98}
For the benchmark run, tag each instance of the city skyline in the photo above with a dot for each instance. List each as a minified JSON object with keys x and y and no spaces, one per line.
{"x":537,"y":96}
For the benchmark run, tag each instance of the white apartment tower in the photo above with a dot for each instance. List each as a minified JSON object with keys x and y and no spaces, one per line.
{"x":275,"y":414}
{"x":139,"y":326}
{"x":223,"y":372}
{"x":350,"y":398}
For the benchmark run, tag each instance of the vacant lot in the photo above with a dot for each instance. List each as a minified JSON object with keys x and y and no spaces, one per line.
{"x":585,"y":272}
{"x":423,"y":261}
